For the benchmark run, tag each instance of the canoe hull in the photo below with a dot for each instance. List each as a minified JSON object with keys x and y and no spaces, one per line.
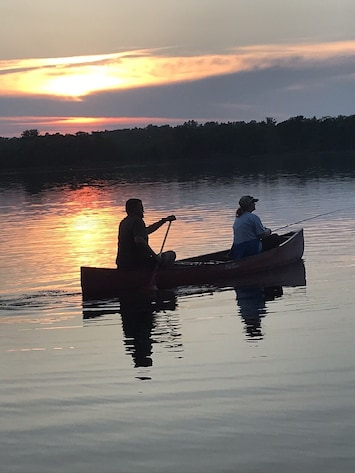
{"x":205,"y":269}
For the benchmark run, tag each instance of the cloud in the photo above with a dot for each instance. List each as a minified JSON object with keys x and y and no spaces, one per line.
{"x":244,"y":84}
{"x":277,"y":92}
{"x":81,"y":76}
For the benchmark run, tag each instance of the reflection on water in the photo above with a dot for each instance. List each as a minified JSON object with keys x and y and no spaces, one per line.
{"x":252,"y":298}
{"x":252,"y":307}
{"x":137,"y":323}
{"x":140,"y":322}
{"x":147,"y":318}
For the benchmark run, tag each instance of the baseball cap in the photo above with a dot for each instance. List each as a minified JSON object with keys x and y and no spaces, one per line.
{"x":246,"y":200}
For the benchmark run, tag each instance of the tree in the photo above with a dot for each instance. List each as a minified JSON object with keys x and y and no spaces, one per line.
{"x":30,"y":133}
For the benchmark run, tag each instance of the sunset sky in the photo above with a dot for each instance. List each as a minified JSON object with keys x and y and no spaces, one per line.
{"x":84,"y":65}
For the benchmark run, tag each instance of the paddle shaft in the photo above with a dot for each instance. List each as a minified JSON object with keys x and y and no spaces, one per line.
{"x":152,"y":283}
{"x":166,"y":235}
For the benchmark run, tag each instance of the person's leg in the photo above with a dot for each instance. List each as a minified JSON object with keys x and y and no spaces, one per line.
{"x":168,"y":258}
{"x":247,"y":248}
{"x":252,"y":247}
{"x":271,"y":241}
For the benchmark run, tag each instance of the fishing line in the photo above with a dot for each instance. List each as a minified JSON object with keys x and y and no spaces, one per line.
{"x":311,"y":218}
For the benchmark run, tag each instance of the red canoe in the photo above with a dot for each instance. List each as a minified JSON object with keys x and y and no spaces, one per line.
{"x":204,"y":269}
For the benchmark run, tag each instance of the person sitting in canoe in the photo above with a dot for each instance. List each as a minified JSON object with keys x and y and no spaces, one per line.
{"x":249,"y":232}
{"x":134,"y":251}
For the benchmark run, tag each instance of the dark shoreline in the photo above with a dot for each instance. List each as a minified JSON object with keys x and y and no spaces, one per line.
{"x":297,"y":143}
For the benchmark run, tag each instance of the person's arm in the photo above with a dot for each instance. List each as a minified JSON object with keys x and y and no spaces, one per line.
{"x":266,"y":233}
{"x":154,"y":226}
{"x":140,"y":241}
{"x":261,"y":231}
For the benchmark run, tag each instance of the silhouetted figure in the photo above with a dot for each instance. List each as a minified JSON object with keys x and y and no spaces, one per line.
{"x":133,"y":250}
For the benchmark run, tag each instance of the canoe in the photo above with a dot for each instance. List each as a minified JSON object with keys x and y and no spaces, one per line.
{"x":291,"y":275}
{"x":210,"y":268}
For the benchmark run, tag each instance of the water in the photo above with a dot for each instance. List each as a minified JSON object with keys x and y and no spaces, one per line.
{"x":198,"y":380}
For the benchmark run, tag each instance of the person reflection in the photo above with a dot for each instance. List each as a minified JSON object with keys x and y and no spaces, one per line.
{"x":252,"y":307}
{"x":138,"y":314}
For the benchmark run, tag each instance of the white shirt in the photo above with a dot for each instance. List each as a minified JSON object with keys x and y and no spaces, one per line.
{"x":247,"y":227}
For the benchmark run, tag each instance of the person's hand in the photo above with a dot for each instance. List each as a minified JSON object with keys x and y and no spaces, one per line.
{"x":158,"y":259}
{"x":170,"y":218}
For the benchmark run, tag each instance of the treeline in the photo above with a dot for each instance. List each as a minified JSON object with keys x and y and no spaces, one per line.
{"x":266,"y":141}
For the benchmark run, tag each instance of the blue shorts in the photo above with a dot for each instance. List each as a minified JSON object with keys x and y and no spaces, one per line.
{"x":247,"y":248}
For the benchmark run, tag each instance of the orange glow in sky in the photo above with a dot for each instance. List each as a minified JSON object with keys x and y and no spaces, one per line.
{"x":72,"y":125}
{"x":79,"y":76}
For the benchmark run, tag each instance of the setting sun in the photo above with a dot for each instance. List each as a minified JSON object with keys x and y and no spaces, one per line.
{"x":82,"y":83}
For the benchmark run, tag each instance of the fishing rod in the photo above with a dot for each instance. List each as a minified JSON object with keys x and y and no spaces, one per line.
{"x":310,"y":218}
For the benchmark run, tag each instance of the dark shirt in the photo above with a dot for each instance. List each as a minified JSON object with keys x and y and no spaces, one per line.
{"x":129,"y":254}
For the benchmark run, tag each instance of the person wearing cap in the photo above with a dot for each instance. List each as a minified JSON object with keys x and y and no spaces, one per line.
{"x":248,"y":230}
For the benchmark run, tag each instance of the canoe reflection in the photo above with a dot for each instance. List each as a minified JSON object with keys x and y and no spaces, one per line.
{"x":147,"y":319}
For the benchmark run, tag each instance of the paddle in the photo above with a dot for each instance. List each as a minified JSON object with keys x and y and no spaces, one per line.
{"x":152,"y":284}
{"x":166,"y":236}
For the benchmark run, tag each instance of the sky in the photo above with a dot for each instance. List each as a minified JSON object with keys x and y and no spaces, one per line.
{"x":88,"y":65}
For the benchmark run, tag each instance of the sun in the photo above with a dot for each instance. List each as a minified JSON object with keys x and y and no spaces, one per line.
{"x":81,"y":83}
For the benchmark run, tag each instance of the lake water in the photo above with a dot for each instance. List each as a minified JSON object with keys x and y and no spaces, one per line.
{"x":234,"y":380}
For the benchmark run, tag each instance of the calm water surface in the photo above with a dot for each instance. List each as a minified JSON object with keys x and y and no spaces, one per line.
{"x":201,"y":380}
